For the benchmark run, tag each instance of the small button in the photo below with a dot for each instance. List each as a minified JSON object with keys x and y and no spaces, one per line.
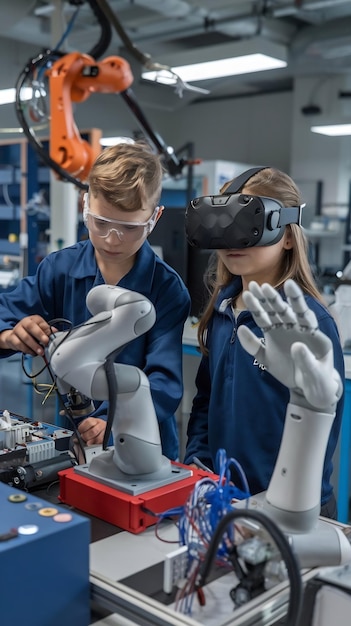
{"x":17,"y":497}
{"x":33,"y":506}
{"x":48,"y":512}
{"x":63,"y":517}
{"x":28,"y":529}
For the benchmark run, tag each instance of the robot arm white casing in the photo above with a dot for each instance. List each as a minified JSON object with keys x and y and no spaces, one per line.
{"x":293,"y":494}
{"x":119,"y":316}
{"x":77,"y":359}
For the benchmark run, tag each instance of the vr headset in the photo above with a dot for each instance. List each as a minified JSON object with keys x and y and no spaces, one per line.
{"x":237,"y":220}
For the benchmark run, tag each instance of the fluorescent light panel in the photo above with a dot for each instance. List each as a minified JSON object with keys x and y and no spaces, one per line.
{"x":217,"y":69}
{"x":113,"y":141}
{"x":332,"y":130}
{"x":8,"y":96}
{"x":252,"y":55}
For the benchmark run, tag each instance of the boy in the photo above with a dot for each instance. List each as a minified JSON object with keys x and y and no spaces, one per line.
{"x":120,"y":211}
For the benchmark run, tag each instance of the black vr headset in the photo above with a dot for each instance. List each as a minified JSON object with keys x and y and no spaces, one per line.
{"x":236,"y":220}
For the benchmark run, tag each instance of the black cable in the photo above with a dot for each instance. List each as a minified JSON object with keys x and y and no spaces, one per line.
{"x":25,"y":371}
{"x":292,"y":566}
{"x":105,"y":31}
{"x":44,"y":58}
{"x":173,"y":164}
{"x":37,"y":146}
{"x":112,"y":396}
{"x":113,"y":19}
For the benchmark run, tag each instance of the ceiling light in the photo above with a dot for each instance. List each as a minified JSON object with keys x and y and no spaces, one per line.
{"x":217,"y":69}
{"x":244,"y":57}
{"x":332,"y":130}
{"x":307,"y":6}
{"x":8,"y":96}
{"x":322,"y":4}
{"x":113,"y":141}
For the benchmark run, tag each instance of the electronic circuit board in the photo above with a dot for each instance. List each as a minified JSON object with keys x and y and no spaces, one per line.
{"x":32,"y":452}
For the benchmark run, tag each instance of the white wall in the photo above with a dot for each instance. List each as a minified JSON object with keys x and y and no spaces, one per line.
{"x":251,"y":130}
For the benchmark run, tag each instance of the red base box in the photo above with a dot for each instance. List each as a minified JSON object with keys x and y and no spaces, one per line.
{"x":121,"y":509}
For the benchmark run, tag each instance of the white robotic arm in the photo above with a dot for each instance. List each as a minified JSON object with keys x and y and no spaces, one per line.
{"x":76,"y":356}
{"x":300,"y":356}
{"x":82,"y":360}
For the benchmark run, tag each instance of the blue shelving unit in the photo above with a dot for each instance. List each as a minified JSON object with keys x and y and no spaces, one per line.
{"x":22,"y":176}
{"x":9,"y":200}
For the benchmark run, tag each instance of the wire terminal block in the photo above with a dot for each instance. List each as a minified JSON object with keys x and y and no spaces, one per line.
{"x":175,"y":568}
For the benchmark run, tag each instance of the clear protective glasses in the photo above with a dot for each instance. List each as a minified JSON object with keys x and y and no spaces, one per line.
{"x":125,"y":231}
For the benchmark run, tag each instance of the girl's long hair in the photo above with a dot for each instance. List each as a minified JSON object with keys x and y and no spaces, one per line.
{"x":271,"y":183}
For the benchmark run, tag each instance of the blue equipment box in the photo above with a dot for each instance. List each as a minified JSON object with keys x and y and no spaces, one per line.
{"x":44,"y":562}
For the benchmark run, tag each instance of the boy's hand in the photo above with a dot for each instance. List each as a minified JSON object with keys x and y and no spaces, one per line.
{"x":30,"y":335}
{"x":294,"y":350}
{"x":92,"y":430}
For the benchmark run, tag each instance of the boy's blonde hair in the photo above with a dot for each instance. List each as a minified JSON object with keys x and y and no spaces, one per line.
{"x":128,"y":176}
{"x":271,"y":183}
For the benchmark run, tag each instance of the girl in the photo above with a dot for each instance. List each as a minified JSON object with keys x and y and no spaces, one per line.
{"x":239,"y":406}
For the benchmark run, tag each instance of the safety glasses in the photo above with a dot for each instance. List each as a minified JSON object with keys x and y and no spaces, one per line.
{"x":126,"y":231}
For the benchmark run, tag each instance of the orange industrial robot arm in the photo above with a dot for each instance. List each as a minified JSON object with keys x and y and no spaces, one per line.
{"x":73,"y":78}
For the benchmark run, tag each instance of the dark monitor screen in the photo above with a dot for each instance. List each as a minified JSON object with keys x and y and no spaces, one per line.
{"x":169,"y":234}
{"x":190,"y":263}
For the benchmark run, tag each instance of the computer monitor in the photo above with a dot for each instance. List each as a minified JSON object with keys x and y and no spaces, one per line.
{"x":169,"y":235}
{"x":191,"y":263}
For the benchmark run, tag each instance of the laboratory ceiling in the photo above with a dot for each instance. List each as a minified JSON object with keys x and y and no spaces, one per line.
{"x":316,"y":33}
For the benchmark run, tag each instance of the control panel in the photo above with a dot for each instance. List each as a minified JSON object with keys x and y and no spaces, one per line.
{"x":44,"y":555}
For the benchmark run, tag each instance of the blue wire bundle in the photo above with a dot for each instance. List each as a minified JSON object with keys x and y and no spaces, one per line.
{"x":210,"y":500}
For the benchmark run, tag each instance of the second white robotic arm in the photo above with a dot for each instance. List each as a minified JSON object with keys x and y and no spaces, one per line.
{"x":300,"y":356}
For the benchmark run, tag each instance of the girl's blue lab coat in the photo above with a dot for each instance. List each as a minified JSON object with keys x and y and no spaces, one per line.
{"x":59,"y":289}
{"x":240,"y":407}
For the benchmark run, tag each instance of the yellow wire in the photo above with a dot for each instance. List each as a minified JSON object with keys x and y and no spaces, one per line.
{"x":40,"y":388}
